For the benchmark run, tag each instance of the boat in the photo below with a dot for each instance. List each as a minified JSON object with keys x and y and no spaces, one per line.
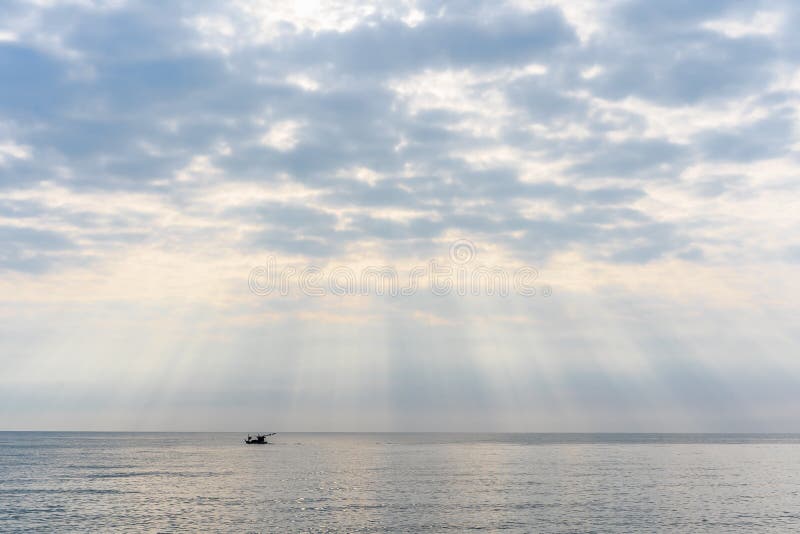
{"x":258,"y":439}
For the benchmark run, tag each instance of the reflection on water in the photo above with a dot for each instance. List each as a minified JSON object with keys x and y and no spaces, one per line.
{"x":412,"y":482}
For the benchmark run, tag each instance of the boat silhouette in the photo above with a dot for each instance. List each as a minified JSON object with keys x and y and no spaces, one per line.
{"x":258,"y":439}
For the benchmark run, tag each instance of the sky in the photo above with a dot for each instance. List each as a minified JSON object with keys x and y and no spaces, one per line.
{"x":639,"y":157}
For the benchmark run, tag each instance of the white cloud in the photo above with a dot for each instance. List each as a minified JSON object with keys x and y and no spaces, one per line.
{"x":303,"y":81}
{"x":11,"y":150}
{"x":283,"y":135}
{"x":763,"y":23}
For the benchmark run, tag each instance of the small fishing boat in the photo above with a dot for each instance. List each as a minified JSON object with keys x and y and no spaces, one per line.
{"x":259,"y":439}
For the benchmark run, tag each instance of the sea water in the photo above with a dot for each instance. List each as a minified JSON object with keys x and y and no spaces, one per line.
{"x":92,"y":482}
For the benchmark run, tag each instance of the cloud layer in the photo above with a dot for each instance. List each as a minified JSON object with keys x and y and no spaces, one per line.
{"x":641,"y":154}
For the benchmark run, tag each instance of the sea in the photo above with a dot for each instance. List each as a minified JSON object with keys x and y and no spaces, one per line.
{"x":213,"y":482}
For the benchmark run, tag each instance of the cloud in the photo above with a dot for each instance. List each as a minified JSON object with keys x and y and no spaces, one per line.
{"x":131,"y":99}
{"x":632,"y":159}
{"x":544,"y":103}
{"x":662,"y":52}
{"x":29,"y":249}
{"x":153,"y":153}
{"x":762,"y":139}
{"x":436,"y":42}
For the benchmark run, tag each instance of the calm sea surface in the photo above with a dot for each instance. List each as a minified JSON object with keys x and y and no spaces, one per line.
{"x":399,"y":482}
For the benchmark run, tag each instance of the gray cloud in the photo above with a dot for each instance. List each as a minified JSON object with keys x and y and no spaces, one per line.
{"x":29,"y":249}
{"x":766,"y":138}
{"x":504,"y":38}
{"x":133,"y":97}
{"x":633,"y":159}
{"x":660,"y":52}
